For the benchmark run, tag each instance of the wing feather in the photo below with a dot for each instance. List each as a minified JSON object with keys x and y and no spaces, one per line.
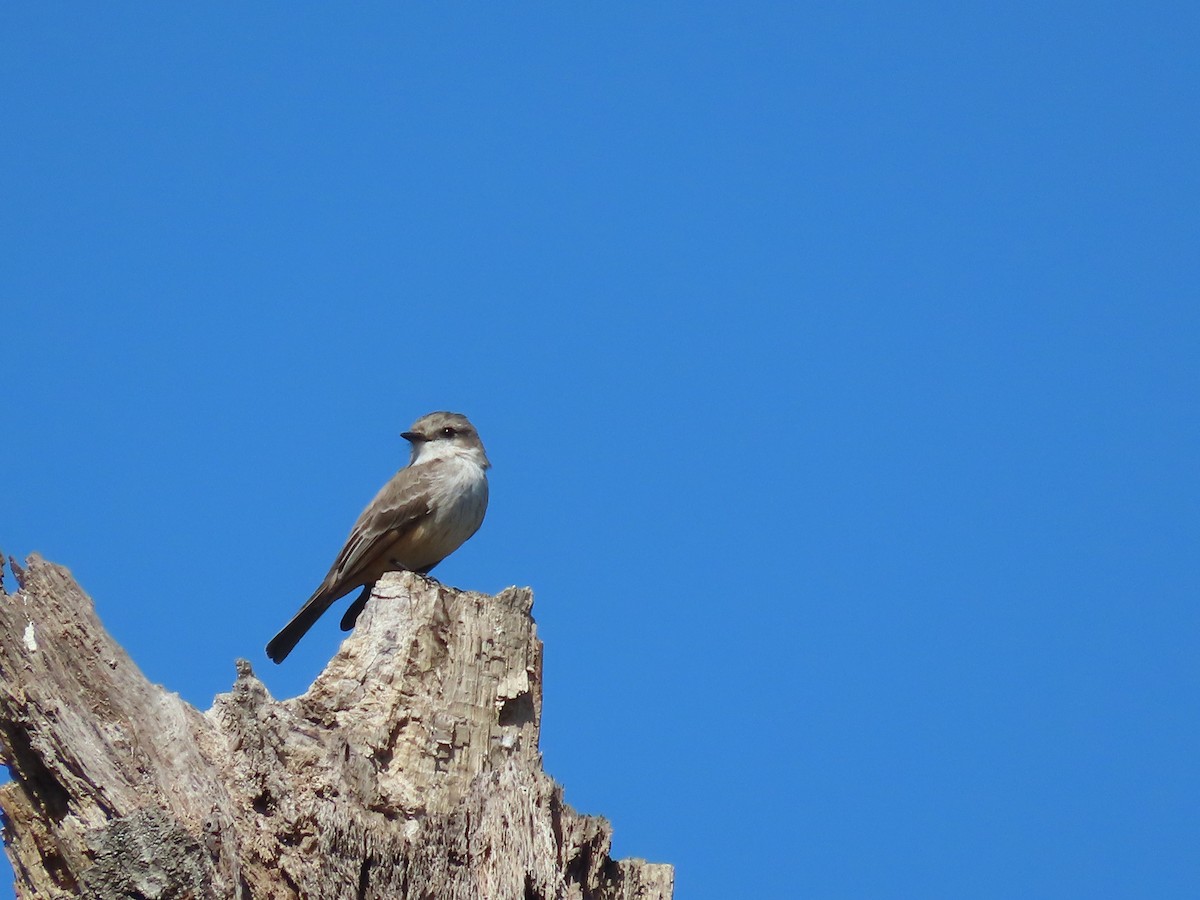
{"x":400,"y":505}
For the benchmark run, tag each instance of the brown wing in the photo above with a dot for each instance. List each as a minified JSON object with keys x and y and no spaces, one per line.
{"x":400,"y":505}
{"x":368,"y":553}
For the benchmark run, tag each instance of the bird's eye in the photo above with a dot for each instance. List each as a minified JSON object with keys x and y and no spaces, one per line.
{"x":448,"y":432}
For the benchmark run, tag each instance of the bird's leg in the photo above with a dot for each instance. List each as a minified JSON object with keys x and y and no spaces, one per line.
{"x":424,"y":573}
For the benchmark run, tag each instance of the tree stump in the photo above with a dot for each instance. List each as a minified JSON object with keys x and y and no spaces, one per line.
{"x":410,"y":768}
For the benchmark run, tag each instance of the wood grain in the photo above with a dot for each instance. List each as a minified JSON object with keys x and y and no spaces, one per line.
{"x":410,"y":768}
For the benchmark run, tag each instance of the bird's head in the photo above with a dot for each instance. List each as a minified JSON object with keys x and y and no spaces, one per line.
{"x":443,"y":435}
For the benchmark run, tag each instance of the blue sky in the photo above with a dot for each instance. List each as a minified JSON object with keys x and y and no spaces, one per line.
{"x":838,"y":363}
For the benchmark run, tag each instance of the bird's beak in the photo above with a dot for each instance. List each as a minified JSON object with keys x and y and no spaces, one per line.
{"x":412,"y":437}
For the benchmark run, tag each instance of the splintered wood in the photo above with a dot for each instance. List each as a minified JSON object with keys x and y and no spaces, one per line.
{"x":410,"y":768}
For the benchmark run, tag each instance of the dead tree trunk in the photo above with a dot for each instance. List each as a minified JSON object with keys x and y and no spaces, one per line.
{"x":410,"y":768}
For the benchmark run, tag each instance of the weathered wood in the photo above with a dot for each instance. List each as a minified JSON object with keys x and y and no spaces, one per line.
{"x":410,"y":768}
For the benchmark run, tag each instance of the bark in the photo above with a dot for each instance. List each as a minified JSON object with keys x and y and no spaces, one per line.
{"x":410,"y":768}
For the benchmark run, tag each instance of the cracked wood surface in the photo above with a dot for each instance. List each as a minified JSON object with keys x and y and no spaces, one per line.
{"x":410,"y":768}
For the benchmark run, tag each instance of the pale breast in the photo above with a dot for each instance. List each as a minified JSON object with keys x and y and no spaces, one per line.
{"x":458,"y":500}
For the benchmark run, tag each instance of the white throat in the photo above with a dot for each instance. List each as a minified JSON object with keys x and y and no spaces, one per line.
{"x":434,"y":451}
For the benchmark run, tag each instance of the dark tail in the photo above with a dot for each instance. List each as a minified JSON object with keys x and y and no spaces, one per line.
{"x":281,"y":645}
{"x":356,"y":608}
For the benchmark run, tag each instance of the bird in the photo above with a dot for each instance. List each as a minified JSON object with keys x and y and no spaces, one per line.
{"x":423,"y":514}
